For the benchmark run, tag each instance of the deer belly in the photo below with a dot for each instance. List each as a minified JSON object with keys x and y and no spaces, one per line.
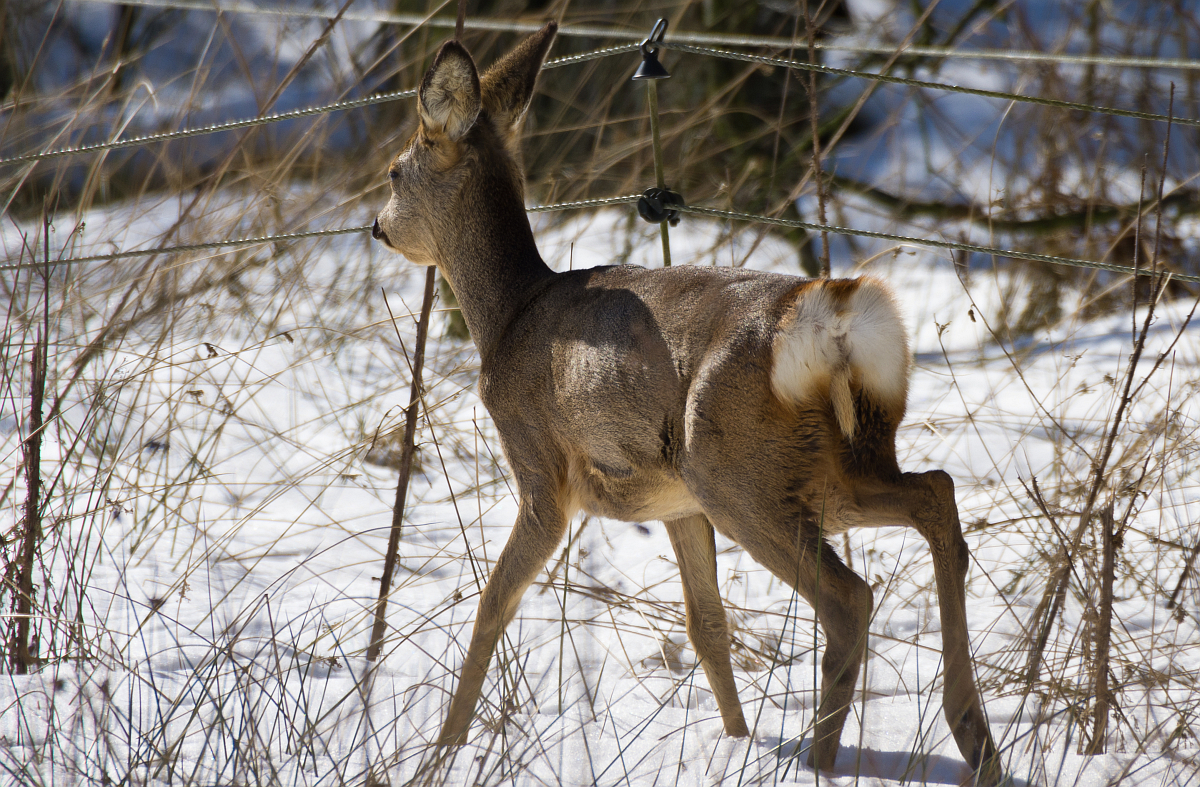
{"x":631,"y":494}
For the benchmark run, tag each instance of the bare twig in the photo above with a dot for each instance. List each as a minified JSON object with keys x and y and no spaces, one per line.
{"x":853,"y":112}
{"x":1101,"y":690}
{"x":1183,"y":575}
{"x":407,"y":451}
{"x":1056,"y":587}
{"x":118,"y":324}
{"x":816,"y":141}
{"x":22,"y":652}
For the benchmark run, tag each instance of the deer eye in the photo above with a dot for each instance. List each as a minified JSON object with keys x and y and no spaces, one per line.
{"x":393,"y":174}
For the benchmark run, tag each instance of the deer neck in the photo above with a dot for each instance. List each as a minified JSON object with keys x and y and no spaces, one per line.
{"x":494,"y":267}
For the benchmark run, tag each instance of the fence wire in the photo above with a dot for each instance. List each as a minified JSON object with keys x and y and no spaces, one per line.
{"x":276,"y":117}
{"x":214,"y":245}
{"x":629,"y":199}
{"x":678,"y":43}
{"x":934,"y":243}
{"x":166,"y":136}
{"x":685,"y":37}
{"x":948,"y":88}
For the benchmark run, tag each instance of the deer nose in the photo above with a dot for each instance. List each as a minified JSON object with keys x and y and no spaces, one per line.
{"x":376,"y":232}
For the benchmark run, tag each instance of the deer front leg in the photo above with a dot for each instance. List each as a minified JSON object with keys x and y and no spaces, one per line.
{"x":696,"y":551}
{"x":937,"y":521}
{"x":537,"y":533}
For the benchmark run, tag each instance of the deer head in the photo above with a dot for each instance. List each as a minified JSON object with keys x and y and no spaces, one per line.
{"x":463,"y":161}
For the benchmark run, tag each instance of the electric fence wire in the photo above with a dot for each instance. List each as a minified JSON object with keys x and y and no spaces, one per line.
{"x":628,"y":199}
{"x":942,"y":86}
{"x":677,"y":42}
{"x":685,"y":37}
{"x":936,"y":244}
{"x":338,"y":106}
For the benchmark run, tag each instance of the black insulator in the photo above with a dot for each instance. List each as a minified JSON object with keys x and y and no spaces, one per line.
{"x":650,"y":67}
{"x":658,"y":205}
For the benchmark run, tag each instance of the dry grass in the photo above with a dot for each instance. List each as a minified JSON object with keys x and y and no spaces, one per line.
{"x":216,"y":452}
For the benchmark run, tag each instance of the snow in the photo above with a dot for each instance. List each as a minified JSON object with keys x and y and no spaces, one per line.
{"x":217,"y":533}
{"x":230,"y":535}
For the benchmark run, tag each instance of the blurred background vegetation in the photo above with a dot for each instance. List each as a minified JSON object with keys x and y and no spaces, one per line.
{"x":737,"y":135}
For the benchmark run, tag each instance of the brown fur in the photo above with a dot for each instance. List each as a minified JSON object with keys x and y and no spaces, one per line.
{"x":640,"y":395}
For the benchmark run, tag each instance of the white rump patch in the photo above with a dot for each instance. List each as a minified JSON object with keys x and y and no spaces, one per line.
{"x":828,"y":338}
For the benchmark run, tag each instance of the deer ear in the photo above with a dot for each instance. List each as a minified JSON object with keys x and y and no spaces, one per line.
{"x":508,"y":84}
{"x":448,"y":100}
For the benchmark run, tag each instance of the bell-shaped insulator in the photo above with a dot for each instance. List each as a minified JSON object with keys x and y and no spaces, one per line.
{"x":650,"y":67}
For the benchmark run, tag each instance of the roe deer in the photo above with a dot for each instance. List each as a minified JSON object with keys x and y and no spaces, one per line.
{"x":761,"y":405}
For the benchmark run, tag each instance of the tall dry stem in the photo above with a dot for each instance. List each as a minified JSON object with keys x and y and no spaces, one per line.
{"x":407,"y":451}
{"x":22,"y":646}
{"x":1100,"y":687}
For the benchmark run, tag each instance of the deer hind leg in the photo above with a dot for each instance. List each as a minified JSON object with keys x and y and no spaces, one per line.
{"x":696,"y":552}
{"x":537,"y":533}
{"x":842,"y":602}
{"x":797,"y":554}
{"x":926,"y":500}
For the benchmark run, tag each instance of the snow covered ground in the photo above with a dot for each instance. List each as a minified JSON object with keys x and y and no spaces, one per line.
{"x":217,"y":513}
{"x":218,"y":536}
